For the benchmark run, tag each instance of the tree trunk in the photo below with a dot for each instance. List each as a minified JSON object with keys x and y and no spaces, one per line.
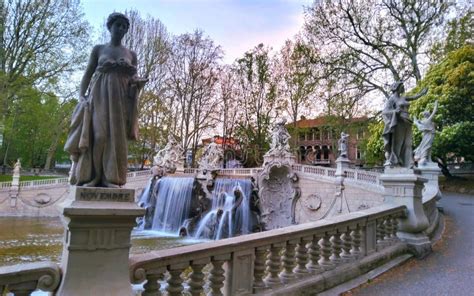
{"x":444,"y":168}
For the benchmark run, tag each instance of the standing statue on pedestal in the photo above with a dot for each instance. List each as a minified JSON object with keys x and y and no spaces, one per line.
{"x":280,"y":139}
{"x":397,"y":132}
{"x":17,"y":168}
{"x":428,"y":129}
{"x":343,"y":145}
{"x":106,"y":116}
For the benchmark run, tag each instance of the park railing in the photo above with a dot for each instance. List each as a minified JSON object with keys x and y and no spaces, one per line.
{"x":258,"y":262}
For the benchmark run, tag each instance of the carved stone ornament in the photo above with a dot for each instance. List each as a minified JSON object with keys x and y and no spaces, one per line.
{"x":312,"y":202}
{"x":212,"y":158}
{"x":168,"y":159}
{"x":278,"y":193}
{"x":279,"y":148}
{"x":276,"y":182}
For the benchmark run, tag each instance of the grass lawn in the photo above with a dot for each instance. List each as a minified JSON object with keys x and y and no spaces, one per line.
{"x":8,"y":178}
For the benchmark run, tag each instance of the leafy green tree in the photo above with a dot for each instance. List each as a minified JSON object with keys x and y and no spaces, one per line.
{"x":459,"y":31}
{"x":451,"y":82}
{"x":258,"y":100}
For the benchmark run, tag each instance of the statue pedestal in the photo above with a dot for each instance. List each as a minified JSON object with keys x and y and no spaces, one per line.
{"x":431,"y":172}
{"x":96,"y":248}
{"x":342,"y":163}
{"x":404,"y":187}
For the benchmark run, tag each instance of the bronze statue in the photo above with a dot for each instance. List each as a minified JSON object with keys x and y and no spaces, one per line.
{"x":106,"y":115}
{"x":397,"y":133}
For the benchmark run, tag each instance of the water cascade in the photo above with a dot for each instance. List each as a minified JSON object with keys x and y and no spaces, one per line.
{"x":230,"y":214}
{"x":168,"y":203}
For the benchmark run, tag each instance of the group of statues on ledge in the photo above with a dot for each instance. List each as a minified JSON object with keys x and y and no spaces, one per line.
{"x":106,"y":118}
{"x":397,"y":133}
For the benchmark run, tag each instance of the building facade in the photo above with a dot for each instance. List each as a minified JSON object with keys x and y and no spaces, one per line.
{"x":316,"y":139}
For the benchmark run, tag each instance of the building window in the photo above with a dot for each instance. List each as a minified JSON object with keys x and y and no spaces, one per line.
{"x":360,"y":134}
{"x":302,"y":136}
{"x":359,"y":153}
{"x":316,"y":134}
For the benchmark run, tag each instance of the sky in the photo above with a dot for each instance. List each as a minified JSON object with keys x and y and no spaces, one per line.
{"x":236,"y":25}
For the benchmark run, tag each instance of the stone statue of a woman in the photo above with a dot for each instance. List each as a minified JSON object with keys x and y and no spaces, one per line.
{"x":397,"y":132}
{"x":106,"y":116}
{"x":343,"y":145}
{"x":428,"y":129}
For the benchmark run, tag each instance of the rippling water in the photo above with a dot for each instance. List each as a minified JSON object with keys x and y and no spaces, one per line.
{"x":24,"y":240}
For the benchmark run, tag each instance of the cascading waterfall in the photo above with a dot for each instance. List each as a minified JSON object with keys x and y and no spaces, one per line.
{"x":230,"y":212}
{"x":173,"y":203}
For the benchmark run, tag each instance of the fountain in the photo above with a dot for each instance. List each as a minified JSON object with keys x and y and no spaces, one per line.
{"x":203,"y":206}
{"x":230,"y":213}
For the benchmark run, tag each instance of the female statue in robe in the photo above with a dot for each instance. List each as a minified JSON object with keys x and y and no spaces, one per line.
{"x":397,"y":133}
{"x":428,"y":129}
{"x":106,"y":117}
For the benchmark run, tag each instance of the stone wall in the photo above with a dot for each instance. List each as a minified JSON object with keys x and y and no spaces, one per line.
{"x":319,"y":198}
{"x":49,"y":200}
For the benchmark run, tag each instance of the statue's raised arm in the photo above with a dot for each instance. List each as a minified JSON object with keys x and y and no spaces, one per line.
{"x":435,"y":108}
{"x":423,"y":92}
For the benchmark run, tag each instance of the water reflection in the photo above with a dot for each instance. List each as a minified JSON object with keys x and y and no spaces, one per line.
{"x":24,"y":240}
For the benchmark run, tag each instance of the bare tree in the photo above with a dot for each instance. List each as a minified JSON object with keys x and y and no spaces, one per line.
{"x":371,"y":42}
{"x":193,"y":69}
{"x":149,"y":38}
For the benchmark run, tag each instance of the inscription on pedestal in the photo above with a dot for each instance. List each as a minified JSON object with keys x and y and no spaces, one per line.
{"x":105,"y":194}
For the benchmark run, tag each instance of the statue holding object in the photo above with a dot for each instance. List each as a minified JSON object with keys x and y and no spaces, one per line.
{"x":397,"y":133}
{"x":106,"y":115}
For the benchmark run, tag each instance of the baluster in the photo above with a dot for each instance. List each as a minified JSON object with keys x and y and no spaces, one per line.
{"x":356,"y":250}
{"x":216,"y":276}
{"x":302,"y":257}
{"x":273,"y":265}
{"x":346,"y":246}
{"x":259,"y":269}
{"x":336,"y":248}
{"x":394,"y":228}
{"x":175,"y":282}
{"x":152,"y":285}
{"x":196,"y":279}
{"x":314,"y":254}
{"x":288,"y":261}
{"x":380,"y":234}
{"x":388,"y":231}
{"x":326,"y":252}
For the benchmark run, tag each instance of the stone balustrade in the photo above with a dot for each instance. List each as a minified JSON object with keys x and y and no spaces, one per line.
{"x":262,"y":262}
{"x":23,"y":279}
{"x":61,"y":181}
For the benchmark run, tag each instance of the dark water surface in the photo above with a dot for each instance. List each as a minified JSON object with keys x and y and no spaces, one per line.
{"x":24,"y":240}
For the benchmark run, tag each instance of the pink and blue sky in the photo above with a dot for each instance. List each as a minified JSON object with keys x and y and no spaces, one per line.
{"x":236,"y":25}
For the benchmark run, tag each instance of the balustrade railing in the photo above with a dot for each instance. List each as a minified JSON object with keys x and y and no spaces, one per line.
{"x":61,"y":181}
{"x":261,"y":261}
{"x":24,"y":279}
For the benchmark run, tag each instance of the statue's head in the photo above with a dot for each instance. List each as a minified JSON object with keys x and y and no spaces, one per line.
{"x":397,"y":87}
{"x":426,"y":114}
{"x":118,"y":23}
